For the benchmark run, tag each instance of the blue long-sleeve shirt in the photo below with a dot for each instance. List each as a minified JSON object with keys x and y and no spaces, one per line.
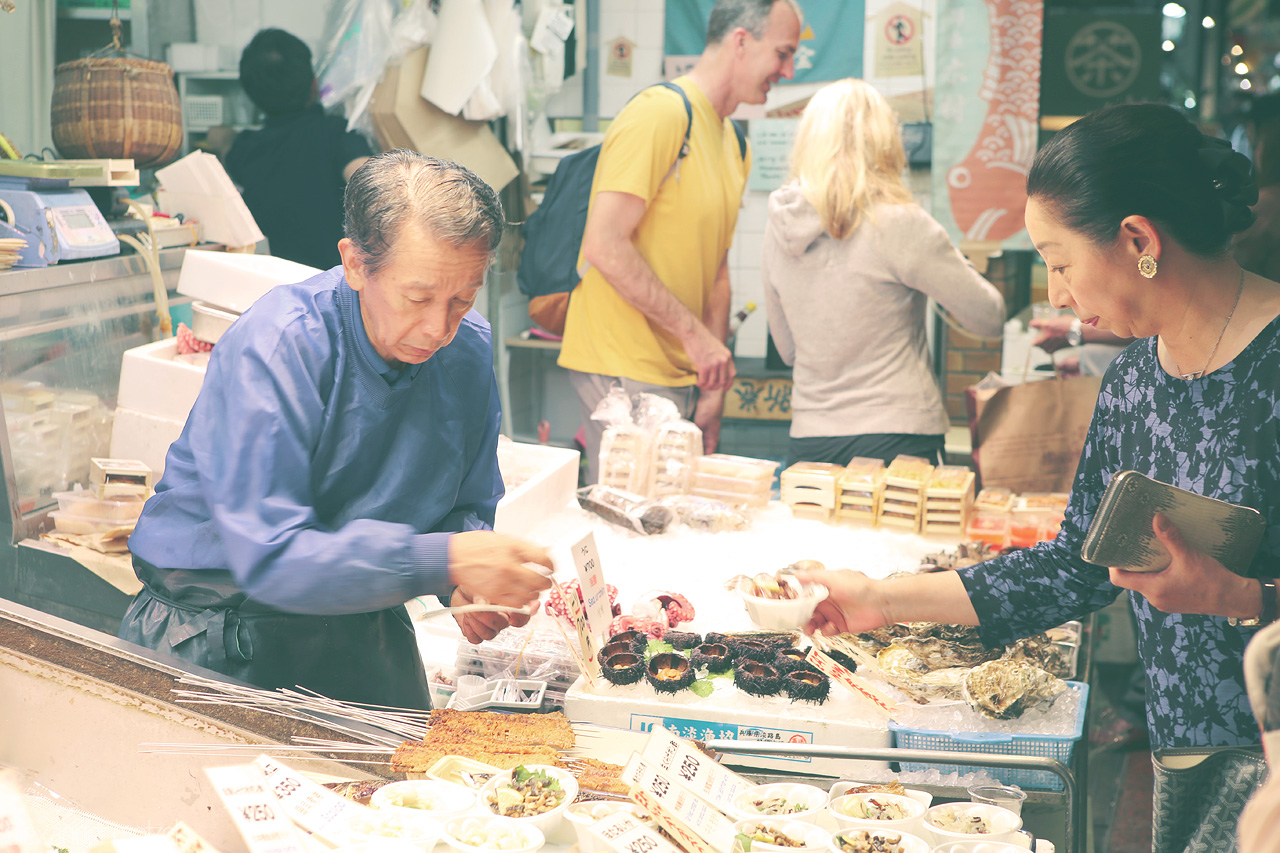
{"x":322,"y":480}
{"x":1217,"y":436}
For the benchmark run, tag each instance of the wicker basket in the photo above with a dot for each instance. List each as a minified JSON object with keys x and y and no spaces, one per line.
{"x":117,"y":107}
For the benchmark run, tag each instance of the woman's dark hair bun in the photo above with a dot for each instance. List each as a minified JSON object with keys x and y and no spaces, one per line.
{"x":1145,"y":160}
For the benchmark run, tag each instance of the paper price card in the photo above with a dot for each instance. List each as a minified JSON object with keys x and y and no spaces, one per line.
{"x":308,"y":804}
{"x":590,"y":645}
{"x":254,"y":809}
{"x":188,"y":840}
{"x":695,"y":823}
{"x":594,"y":592}
{"x":693,"y":770}
{"x":625,"y":833}
{"x":838,"y":673}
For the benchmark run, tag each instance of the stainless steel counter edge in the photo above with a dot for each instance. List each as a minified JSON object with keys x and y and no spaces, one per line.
{"x":86,"y":272}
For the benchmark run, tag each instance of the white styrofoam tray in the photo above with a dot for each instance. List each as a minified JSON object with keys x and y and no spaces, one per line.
{"x":155,"y":382}
{"x":235,"y":281}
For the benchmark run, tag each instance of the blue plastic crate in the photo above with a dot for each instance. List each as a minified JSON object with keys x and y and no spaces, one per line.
{"x":994,"y":743}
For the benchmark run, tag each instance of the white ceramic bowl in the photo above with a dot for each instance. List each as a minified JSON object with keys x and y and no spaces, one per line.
{"x":440,"y":800}
{"x":907,"y":842}
{"x":815,"y":838}
{"x":973,"y":846}
{"x":547,"y":822}
{"x":583,"y":816}
{"x":811,"y":800}
{"x":371,"y":826}
{"x":492,"y":833}
{"x":382,"y":845}
{"x":840,"y":807}
{"x":843,"y":787}
{"x":784,"y":614}
{"x":1002,"y":822}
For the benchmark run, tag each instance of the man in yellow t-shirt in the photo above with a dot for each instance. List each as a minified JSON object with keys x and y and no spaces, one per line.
{"x":652,"y":312}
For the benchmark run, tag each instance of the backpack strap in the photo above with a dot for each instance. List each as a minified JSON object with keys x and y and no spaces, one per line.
{"x":742,"y":138}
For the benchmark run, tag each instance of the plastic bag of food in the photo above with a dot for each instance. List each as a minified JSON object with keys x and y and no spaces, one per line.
{"x":706,"y":514}
{"x":626,"y":509}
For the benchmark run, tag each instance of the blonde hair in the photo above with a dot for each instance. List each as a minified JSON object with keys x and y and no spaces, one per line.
{"x":848,"y":155}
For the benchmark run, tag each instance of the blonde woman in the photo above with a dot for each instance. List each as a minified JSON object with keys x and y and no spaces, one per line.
{"x":849,"y":264}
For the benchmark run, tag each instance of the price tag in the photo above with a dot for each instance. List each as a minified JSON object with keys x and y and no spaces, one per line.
{"x":838,"y":673}
{"x":254,"y":810}
{"x":594,"y":591}
{"x":626,"y":833}
{"x":308,"y":804}
{"x":697,"y":824}
{"x":586,"y":640}
{"x":187,"y":840}
{"x":17,"y":831}
{"x":692,"y":769}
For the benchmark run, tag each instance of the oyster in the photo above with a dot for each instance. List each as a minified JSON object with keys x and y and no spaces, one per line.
{"x":941,"y":646}
{"x":1040,"y":650}
{"x":1004,"y":689}
{"x":901,"y":668}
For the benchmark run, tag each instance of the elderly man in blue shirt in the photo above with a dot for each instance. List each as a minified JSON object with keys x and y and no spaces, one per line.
{"x":340,"y":459}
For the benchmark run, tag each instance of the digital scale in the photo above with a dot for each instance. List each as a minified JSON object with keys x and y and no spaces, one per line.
{"x":60,"y":223}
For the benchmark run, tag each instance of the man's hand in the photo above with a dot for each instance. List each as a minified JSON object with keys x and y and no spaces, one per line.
{"x":478,"y":627}
{"x":1053,"y":332}
{"x":1192,"y":582}
{"x":707,"y":416}
{"x":711,"y":359}
{"x":491,"y":566}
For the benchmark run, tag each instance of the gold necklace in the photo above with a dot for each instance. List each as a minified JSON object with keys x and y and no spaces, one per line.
{"x":1214,"y":351}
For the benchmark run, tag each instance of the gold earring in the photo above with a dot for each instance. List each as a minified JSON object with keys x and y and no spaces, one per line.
{"x":1147,"y":266}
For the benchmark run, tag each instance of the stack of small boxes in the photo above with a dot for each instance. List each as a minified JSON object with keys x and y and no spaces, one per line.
{"x":811,"y":489}
{"x":675,"y":447}
{"x":989,"y":521}
{"x":738,"y":481}
{"x":1036,"y":518}
{"x":904,"y":484}
{"x":120,"y":487}
{"x":947,"y":500}
{"x":624,"y":458}
{"x":861,"y":488}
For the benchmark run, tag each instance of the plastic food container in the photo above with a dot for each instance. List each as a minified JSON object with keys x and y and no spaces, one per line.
{"x":907,"y":842}
{"x":841,"y":811}
{"x":737,"y":500}
{"x":548,"y":821}
{"x":979,"y":846}
{"x":476,"y":833}
{"x":85,"y":504}
{"x":79,"y":524}
{"x":814,"y":838}
{"x":740,"y":467}
{"x":452,"y":767}
{"x":839,"y":789}
{"x":583,"y":816}
{"x":784,"y":614}
{"x":807,"y":800}
{"x":371,"y":826}
{"x":1002,"y":822}
{"x":731,"y":485}
{"x":440,"y":800}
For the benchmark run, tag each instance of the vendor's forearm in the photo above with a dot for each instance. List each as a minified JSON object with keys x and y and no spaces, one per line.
{"x":934,"y":597}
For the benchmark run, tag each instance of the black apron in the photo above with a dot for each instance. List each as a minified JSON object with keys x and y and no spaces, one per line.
{"x":204,"y":618}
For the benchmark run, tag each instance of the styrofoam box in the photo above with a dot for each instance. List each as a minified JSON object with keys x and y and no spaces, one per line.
{"x":729,"y":714}
{"x":542,"y":495}
{"x":235,"y":281}
{"x":153,"y":381}
{"x":138,"y":435}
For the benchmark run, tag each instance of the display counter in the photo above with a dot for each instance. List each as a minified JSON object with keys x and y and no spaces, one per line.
{"x":65,"y":328}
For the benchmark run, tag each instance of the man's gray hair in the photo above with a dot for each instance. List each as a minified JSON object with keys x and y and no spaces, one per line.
{"x":402,"y":187}
{"x":728,"y":15}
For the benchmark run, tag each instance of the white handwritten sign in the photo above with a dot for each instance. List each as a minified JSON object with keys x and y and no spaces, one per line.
{"x":254,"y":810}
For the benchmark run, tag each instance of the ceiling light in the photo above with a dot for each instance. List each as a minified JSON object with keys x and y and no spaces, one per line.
{"x":1173,"y":10}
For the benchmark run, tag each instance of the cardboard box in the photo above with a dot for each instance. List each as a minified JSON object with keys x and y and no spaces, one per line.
{"x":543,"y":494}
{"x":728,"y":714}
{"x":402,"y":118}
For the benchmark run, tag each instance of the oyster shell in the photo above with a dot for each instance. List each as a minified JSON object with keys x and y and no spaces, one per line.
{"x":901,"y":668}
{"x":1042,"y":651}
{"x":1004,"y":689}
{"x":941,"y":646}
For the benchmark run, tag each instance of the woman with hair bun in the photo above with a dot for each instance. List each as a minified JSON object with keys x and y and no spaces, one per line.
{"x":849,"y":263}
{"x":1133,"y":211}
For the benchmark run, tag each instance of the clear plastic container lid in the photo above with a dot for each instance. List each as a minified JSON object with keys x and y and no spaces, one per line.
{"x":862,"y":472}
{"x":999,"y":500}
{"x":738,"y":500}
{"x":741,"y":467}
{"x":911,"y":468}
{"x":86,"y":504}
{"x":731,"y":485}
{"x":950,"y":478}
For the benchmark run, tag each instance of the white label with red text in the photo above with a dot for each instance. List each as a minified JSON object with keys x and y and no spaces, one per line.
{"x":308,"y":804}
{"x":693,"y":770}
{"x":650,"y":784}
{"x":254,"y":810}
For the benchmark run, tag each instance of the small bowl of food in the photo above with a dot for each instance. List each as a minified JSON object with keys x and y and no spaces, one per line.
{"x":775,"y":833}
{"x":845,"y":786}
{"x":536,"y":794}
{"x":485,"y":833}
{"x":854,"y":840}
{"x":967,"y":821}
{"x":373,"y":826}
{"x":877,"y":812}
{"x":974,"y":845}
{"x":583,"y":816}
{"x":440,"y":800}
{"x":780,"y":800}
{"x":778,"y":602}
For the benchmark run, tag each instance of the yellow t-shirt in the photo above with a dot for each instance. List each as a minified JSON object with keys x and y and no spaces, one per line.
{"x":686,"y":229}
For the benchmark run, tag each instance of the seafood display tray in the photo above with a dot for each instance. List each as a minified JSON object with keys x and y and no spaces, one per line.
{"x":995,"y":743}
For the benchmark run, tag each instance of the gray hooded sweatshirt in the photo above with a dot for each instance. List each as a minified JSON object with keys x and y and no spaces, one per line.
{"x":849,"y":315}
